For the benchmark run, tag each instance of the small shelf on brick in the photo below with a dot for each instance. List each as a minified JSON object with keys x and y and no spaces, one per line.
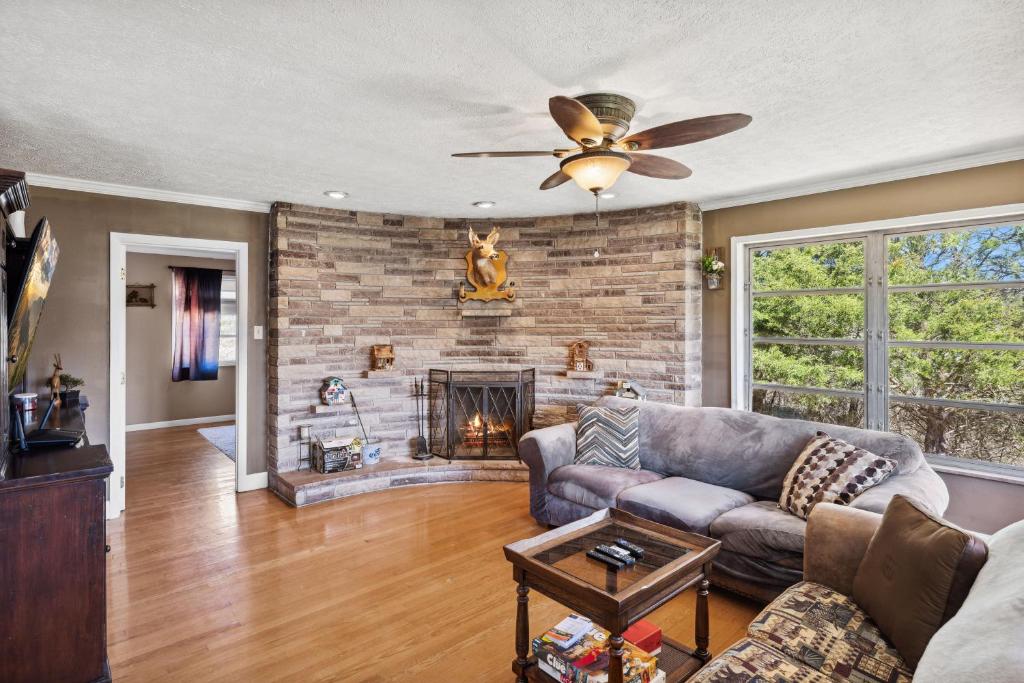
{"x":383,"y":374}
{"x":584,"y":374}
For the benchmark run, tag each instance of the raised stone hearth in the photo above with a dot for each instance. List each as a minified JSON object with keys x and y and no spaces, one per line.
{"x":342,"y":281}
{"x":305,"y":488}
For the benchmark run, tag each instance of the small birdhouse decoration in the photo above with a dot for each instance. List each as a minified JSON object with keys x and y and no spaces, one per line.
{"x":333,"y":391}
{"x":578,"y":360}
{"x":382,"y":357}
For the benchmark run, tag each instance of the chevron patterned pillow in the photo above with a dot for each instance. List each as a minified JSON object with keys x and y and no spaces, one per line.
{"x":608,"y":436}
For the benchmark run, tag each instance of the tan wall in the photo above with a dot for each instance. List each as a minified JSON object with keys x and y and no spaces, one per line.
{"x":975,"y":503}
{"x":76,"y":322}
{"x":151,"y":395}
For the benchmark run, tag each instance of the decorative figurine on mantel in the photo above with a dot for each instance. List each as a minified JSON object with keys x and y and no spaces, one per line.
{"x":578,"y":360}
{"x":55,"y":381}
{"x":382,"y":357}
{"x":332,"y":391}
{"x":485,"y":270}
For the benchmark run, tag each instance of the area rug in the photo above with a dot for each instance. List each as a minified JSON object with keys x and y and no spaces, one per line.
{"x":221,"y":437}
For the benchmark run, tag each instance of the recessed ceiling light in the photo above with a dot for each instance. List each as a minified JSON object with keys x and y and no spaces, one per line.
{"x":607,"y":195}
{"x":486,"y":204}
{"x":336,"y":194}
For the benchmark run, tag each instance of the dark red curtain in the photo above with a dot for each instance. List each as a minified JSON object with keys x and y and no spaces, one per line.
{"x":196,"y":345}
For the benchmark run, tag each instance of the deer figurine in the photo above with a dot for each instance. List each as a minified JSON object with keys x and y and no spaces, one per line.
{"x":55,"y":381}
{"x":485,"y":270}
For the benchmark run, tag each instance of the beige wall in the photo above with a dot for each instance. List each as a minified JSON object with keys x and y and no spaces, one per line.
{"x":977,"y":504}
{"x":151,"y":395}
{"x":76,"y":321}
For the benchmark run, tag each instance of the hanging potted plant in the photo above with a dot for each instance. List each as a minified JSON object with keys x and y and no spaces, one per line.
{"x":713,"y":269}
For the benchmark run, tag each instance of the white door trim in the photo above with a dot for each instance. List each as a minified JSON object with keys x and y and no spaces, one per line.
{"x":122,"y":243}
{"x":738,"y":318}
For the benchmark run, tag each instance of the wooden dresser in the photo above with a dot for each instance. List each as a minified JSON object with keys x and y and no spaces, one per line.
{"x":53,"y":612}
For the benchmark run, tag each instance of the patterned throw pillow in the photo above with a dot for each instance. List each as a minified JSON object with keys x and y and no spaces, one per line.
{"x":831,"y":471}
{"x":608,"y":436}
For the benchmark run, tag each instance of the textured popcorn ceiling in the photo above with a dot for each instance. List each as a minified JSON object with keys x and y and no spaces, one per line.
{"x":283,"y":100}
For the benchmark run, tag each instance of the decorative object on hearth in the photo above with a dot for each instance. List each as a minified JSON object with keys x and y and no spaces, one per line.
{"x":485,"y":270}
{"x":371,"y":453}
{"x":336,"y":455}
{"x":55,"y":380}
{"x":422,"y":452}
{"x":630,"y":389}
{"x":305,"y":448}
{"x":333,"y":391}
{"x":141,"y":295}
{"x":597,"y":122}
{"x":14,"y":200}
{"x":69,"y":387}
{"x":578,"y":360}
{"x":479,"y":414}
{"x":713,"y":269}
{"x":382,"y":357}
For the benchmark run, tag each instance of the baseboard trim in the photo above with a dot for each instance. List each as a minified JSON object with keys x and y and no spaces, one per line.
{"x":178,"y":423}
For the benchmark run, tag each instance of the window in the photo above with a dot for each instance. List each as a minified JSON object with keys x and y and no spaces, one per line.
{"x":228,"y":320}
{"x":918,"y":332}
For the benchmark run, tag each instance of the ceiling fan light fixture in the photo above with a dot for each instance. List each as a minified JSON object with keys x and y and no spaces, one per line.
{"x":595,"y":171}
{"x":336,"y":194}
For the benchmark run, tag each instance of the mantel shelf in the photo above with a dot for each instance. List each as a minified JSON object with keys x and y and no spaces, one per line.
{"x":584,"y":374}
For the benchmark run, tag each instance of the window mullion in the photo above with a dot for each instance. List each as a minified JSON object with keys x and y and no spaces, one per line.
{"x":876,"y":333}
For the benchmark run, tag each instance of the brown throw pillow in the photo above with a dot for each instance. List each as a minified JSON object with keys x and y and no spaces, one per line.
{"x":915,"y":575}
{"x":829,"y":470}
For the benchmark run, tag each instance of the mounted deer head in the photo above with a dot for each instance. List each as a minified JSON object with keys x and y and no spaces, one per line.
{"x":484,"y":248}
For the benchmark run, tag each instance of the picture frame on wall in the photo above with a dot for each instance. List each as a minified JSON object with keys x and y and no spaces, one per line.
{"x":141,"y":295}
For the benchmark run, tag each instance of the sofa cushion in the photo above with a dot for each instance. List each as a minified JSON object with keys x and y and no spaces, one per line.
{"x":740,"y":449}
{"x":760,"y":529}
{"x":829,"y":470}
{"x":983,"y":641}
{"x":608,"y":436}
{"x":828,"y":632}
{"x":751,"y":661}
{"x":915,"y":575}
{"x":595,"y":486}
{"x":681,"y":503}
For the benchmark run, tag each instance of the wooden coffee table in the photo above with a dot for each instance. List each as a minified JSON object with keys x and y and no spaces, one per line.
{"x":556,"y":565}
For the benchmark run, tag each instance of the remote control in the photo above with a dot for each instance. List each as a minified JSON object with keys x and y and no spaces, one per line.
{"x":632,"y":548}
{"x":606,"y":559}
{"x":618,"y":553}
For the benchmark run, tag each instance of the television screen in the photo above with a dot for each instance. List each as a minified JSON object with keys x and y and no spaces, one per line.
{"x":28,"y":296}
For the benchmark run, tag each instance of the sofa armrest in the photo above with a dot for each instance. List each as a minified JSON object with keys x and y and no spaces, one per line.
{"x":543,"y":451}
{"x":923,"y":485}
{"x":835,"y":542}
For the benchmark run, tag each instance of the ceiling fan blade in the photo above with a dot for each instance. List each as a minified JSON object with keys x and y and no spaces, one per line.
{"x":505,"y":154}
{"x":554,"y":180}
{"x":684,"y":132}
{"x":654,"y":166}
{"x":576,"y":121}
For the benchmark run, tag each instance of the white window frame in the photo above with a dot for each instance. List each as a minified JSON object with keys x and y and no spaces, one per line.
{"x":231,"y":363}
{"x":740,"y":305}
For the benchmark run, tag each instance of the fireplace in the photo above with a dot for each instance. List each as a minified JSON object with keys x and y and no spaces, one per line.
{"x":479,"y":414}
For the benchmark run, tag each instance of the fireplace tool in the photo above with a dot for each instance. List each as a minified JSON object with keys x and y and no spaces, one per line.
{"x":422,"y":453}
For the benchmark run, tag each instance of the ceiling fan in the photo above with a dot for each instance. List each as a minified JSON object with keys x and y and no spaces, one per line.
{"x":597,"y":122}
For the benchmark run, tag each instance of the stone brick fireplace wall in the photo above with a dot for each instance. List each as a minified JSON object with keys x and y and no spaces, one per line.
{"x":342,"y":281}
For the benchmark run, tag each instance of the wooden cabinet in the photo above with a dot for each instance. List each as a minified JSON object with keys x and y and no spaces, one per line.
{"x":53,"y":567}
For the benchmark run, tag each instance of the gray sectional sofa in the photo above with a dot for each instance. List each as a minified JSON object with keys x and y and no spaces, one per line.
{"x":717,"y":472}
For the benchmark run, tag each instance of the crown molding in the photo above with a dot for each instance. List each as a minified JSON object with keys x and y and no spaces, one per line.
{"x":944,"y":166}
{"x":96,"y":187}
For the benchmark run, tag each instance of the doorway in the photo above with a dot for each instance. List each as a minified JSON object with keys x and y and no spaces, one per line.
{"x":122,"y":244}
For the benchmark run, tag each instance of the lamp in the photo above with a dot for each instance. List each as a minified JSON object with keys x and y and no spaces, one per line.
{"x":597,"y":170}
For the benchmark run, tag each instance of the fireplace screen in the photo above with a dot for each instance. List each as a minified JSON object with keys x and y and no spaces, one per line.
{"x":477,"y":414}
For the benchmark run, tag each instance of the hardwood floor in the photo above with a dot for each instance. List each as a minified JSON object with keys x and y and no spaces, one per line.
{"x":401,"y":585}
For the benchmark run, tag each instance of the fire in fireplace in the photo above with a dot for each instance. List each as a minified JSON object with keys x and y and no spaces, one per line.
{"x":480,"y":414}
